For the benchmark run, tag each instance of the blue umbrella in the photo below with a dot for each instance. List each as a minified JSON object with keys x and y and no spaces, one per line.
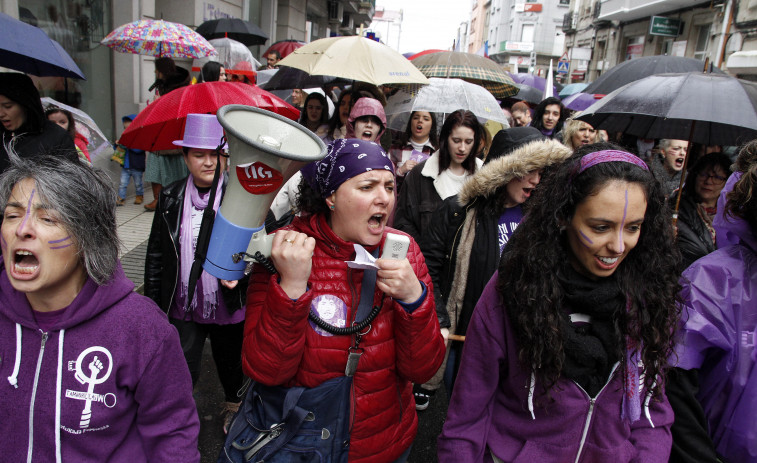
{"x":579,"y":101}
{"x":28,"y":49}
{"x":570,"y":89}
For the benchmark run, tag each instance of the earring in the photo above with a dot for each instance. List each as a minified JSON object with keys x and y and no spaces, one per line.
{"x":332,"y":207}
{"x":561,"y":228}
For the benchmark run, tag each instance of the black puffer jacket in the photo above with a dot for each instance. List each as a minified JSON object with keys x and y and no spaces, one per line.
{"x":36,"y":135}
{"x":162,"y":261}
{"x":694,"y":239}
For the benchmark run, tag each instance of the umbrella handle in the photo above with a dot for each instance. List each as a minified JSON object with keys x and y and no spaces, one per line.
{"x":456,"y":337}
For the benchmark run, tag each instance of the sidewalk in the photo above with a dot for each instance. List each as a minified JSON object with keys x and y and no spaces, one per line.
{"x":134,"y":223}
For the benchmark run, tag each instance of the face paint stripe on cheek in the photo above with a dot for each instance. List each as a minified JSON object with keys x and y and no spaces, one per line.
{"x":3,"y":243}
{"x":60,"y":240}
{"x":28,"y":209}
{"x":61,"y":247}
{"x":583,"y":235}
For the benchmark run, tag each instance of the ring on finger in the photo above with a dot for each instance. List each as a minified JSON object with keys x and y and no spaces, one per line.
{"x":289,"y":241}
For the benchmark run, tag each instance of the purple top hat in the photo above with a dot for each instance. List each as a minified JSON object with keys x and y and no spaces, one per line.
{"x":201,"y":131}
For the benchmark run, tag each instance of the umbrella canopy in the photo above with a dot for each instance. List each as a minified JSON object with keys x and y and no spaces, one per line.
{"x":162,"y":122}
{"x":284,"y":47}
{"x":539,"y":83}
{"x":638,"y":68}
{"x":442,"y":96}
{"x":356,"y":58}
{"x":424,"y":52}
{"x":287,"y":78}
{"x":234,"y":28}
{"x":98,"y":143}
{"x":29,"y":49}
{"x":579,"y":101}
{"x":156,"y":37}
{"x":529,"y":94}
{"x":235,"y":57}
{"x":570,"y":89}
{"x":711,"y":109}
{"x":469,"y":67}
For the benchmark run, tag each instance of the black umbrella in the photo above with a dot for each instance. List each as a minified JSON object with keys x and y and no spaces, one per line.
{"x":711,"y":109}
{"x":722,"y":109}
{"x":288,"y":78}
{"x":529,"y":94}
{"x":233,"y":28}
{"x":638,"y":68}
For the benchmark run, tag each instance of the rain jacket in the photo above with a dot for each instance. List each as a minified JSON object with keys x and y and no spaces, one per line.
{"x":718,"y":337}
{"x":498,"y":408}
{"x":282,"y":348}
{"x":107,"y":383}
{"x":366,"y":107}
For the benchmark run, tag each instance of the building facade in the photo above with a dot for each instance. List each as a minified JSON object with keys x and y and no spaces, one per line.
{"x":117,"y":83}
{"x":603,"y":33}
{"x":525,"y":35}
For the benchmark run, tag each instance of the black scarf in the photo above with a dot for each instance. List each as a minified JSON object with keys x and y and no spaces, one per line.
{"x":592,"y":349}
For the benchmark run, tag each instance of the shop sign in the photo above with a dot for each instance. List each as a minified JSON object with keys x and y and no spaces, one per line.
{"x":666,"y":27}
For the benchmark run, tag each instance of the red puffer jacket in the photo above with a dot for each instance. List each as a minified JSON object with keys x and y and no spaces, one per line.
{"x":282,"y":348}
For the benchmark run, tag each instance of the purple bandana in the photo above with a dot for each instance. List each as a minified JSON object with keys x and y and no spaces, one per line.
{"x":346,"y":158}
{"x":598,"y":157}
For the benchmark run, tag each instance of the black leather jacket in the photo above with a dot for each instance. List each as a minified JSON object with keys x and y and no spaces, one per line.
{"x":162,"y":262}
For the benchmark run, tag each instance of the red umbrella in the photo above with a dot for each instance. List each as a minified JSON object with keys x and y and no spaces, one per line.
{"x":284,"y":47}
{"x":162,"y":122}
{"x":424,"y":52}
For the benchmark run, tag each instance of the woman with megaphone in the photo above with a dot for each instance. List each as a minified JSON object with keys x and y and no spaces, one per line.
{"x":345,"y":201}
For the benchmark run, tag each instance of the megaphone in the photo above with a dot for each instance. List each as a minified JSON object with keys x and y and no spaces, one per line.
{"x":265,"y":150}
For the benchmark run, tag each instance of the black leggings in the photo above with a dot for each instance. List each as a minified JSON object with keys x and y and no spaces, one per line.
{"x":226,"y":345}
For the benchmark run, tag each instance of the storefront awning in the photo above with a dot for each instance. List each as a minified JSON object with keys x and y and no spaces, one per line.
{"x":742,"y":62}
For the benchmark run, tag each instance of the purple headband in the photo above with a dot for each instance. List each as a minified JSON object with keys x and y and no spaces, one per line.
{"x":598,"y":157}
{"x":346,"y":158}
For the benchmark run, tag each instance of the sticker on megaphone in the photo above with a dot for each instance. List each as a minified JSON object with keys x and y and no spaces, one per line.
{"x":258,"y":178}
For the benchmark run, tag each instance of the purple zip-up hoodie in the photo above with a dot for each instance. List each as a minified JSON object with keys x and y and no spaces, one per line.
{"x":108,"y":382}
{"x":498,"y":409}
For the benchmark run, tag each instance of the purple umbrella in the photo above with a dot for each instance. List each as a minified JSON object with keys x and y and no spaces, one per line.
{"x":579,"y":101}
{"x":533,"y":81}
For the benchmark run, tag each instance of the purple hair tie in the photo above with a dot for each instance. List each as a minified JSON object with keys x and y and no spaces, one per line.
{"x":598,"y":157}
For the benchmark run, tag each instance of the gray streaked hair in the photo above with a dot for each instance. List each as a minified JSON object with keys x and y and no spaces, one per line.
{"x":85,"y":200}
{"x":664,"y":143}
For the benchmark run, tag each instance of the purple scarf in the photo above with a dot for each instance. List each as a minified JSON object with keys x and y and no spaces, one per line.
{"x":207,"y":283}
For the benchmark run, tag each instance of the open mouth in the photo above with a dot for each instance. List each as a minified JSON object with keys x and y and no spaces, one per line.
{"x":367,"y":135}
{"x":527,"y":192}
{"x":608,"y":263}
{"x":25,"y":262}
{"x":376,"y":221}
{"x":679,"y":162}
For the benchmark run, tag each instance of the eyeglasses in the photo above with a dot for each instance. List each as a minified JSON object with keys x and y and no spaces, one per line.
{"x":715,"y":178}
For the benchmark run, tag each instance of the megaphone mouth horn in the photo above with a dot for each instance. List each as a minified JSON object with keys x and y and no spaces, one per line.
{"x":268,"y":142}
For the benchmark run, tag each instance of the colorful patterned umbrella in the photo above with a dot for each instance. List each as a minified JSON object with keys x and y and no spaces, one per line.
{"x":162,"y":121}
{"x":475,"y":69}
{"x":156,"y":37}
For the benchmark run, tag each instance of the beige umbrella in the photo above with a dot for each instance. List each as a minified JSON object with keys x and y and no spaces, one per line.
{"x":355,"y":58}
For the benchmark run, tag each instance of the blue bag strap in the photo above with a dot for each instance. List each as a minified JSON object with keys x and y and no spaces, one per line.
{"x":368,"y":286}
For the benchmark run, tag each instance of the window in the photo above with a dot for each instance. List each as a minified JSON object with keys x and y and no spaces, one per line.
{"x":564,"y":2}
{"x":703,"y":39}
{"x":527,"y":33}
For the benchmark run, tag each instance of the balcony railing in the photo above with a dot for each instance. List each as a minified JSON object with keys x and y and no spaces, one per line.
{"x":568,"y":24}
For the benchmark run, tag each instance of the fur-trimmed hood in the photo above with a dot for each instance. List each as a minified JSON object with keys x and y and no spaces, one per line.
{"x":535,"y":155}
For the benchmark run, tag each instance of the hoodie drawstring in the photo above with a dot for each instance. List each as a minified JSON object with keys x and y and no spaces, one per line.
{"x":13,"y":378}
{"x":531,"y":387}
{"x":646,"y":405}
{"x":58,"y":383}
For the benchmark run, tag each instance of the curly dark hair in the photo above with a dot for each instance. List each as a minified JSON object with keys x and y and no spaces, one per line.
{"x":742,"y":200}
{"x":538,"y":256}
{"x":308,"y":201}
{"x":462,"y":118}
{"x":538,"y":122}
{"x":335,"y":122}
